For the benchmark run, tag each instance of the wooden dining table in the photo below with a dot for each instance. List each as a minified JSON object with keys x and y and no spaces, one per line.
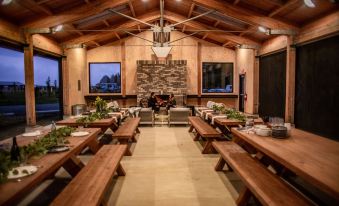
{"x":12,"y":191}
{"x":313,"y":158}
{"x":103,"y":124}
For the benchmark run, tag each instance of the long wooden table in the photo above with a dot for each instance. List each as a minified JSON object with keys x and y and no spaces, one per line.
{"x":103,"y":124}
{"x":311,"y":157}
{"x":13,"y":191}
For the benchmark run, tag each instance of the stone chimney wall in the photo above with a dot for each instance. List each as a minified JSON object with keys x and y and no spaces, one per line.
{"x":161,"y":77}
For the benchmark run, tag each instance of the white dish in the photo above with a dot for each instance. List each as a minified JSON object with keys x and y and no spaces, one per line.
{"x":260,"y":126}
{"x":22,"y":171}
{"x":57,"y":149}
{"x":79,"y":134}
{"x":263,"y":132}
{"x":31,"y":134}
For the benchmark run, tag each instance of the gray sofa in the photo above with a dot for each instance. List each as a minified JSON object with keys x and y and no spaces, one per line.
{"x":178,"y":115}
{"x":146,"y":116}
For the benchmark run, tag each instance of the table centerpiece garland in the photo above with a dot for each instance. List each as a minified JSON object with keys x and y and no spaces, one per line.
{"x":38,"y":147}
{"x":230,"y":113}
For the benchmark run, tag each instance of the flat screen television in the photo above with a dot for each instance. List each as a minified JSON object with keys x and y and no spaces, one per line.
{"x":217,"y":77}
{"x":105,"y":77}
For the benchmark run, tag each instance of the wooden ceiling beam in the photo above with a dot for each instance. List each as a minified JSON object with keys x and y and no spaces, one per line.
{"x":42,"y":1}
{"x":117,"y":35}
{"x":96,"y":43}
{"x":106,"y":23}
{"x":274,"y":2}
{"x":151,"y":16}
{"x":74,"y":14}
{"x":72,"y":27}
{"x":191,"y":10}
{"x":245,"y":15}
{"x":226,"y":43}
{"x":139,"y":28}
{"x":131,"y":7}
{"x":200,"y":26}
{"x":205,"y":36}
{"x":216,"y":23}
{"x":283,"y":7}
{"x":236,"y":2}
{"x":35,"y":7}
{"x":183,"y":29}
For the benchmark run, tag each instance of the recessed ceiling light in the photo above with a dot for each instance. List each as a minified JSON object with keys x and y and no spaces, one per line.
{"x":262,"y":29}
{"x":6,"y":2}
{"x":309,"y":3}
{"x":179,"y":0}
{"x":58,"y":28}
{"x":144,"y":0}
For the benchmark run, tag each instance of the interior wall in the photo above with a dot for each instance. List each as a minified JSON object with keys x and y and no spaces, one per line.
{"x":76,"y":65}
{"x":245,"y":59}
{"x":138,"y":49}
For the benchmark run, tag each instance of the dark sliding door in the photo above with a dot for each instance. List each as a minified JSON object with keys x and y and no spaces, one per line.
{"x":317,"y":87}
{"x":272,"y":84}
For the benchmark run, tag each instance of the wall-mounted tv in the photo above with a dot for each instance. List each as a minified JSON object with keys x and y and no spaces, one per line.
{"x":105,"y":77}
{"x":217,"y":77}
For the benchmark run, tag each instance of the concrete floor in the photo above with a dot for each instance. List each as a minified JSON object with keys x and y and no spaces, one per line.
{"x":167,"y":168}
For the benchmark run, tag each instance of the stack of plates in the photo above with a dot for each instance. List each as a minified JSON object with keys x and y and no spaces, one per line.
{"x":279,"y":132}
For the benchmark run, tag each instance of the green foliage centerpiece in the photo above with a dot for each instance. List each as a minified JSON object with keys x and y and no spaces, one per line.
{"x":233,"y":114}
{"x":100,"y":113}
{"x":39,"y":147}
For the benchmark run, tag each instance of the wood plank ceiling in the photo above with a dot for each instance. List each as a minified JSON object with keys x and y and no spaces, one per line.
{"x":89,"y":22}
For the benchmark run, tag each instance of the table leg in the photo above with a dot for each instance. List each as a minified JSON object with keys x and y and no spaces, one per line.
{"x":94,"y":146}
{"x":73,"y":165}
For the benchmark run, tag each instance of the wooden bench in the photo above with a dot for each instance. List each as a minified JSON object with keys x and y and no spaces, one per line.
{"x":205,"y":131}
{"x":266,"y":186}
{"x":89,"y":186}
{"x":127,"y":132}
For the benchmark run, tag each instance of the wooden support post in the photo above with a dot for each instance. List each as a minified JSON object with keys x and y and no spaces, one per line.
{"x":29,"y":81}
{"x":123,"y":69}
{"x":290,"y":80}
{"x":199,"y":65}
{"x":65,"y":84}
{"x":256,"y":83}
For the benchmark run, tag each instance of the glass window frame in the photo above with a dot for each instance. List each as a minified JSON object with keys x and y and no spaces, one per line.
{"x":217,"y":93}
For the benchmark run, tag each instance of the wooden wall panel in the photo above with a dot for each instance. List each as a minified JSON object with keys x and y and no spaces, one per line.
{"x":273,"y":45}
{"x":138,"y":49}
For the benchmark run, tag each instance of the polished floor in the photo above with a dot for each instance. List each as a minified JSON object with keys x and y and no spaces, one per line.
{"x":167,"y":168}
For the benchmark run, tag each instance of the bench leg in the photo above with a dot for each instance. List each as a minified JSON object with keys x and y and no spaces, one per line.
{"x":121,"y":171}
{"x":128,"y":150}
{"x":208,"y":147}
{"x":73,"y":165}
{"x":220,"y":165}
{"x":197,"y":136}
{"x":191,"y":128}
{"x":133,"y":138}
{"x":244,"y":197}
{"x":137,"y":130}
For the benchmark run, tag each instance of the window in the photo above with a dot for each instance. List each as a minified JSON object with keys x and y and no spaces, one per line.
{"x":105,"y":77}
{"x":217,"y":77}
{"x":12,"y":90}
{"x":47,"y":88}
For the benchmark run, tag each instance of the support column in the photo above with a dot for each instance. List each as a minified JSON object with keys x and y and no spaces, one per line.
{"x":123,"y":69}
{"x":256,"y":83}
{"x":29,"y":81}
{"x":65,"y":88}
{"x":199,"y":65}
{"x":290,"y":80}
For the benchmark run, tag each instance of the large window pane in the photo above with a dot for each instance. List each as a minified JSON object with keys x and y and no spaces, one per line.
{"x":217,"y":77}
{"x":47,"y":89}
{"x":12,"y":92}
{"x":104,"y":77}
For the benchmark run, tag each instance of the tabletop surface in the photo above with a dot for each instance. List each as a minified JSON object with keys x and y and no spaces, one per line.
{"x":72,"y":121}
{"x":12,"y":190}
{"x":312,"y":157}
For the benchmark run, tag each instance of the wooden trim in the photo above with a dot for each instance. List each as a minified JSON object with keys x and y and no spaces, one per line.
{"x":123,"y":69}
{"x":290,"y":81}
{"x":213,"y":96}
{"x":199,"y":66}
{"x":29,"y":81}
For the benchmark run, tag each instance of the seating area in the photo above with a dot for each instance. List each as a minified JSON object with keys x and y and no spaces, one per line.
{"x":169,"y":102}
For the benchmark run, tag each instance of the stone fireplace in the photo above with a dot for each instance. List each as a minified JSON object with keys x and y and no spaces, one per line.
{"x":161,"y":77}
